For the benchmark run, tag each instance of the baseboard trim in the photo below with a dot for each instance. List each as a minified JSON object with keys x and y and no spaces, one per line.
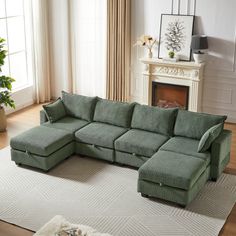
{"x":19,"y":107}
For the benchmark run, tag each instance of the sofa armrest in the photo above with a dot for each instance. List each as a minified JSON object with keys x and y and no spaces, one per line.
{"x":43,"y":117}
{"x":220,"y":153}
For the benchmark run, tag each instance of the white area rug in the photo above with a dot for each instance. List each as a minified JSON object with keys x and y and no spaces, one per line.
{"x":104,"y":196}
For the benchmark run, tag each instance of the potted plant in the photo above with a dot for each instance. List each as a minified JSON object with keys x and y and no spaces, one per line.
{"x":171,"y":54}
{"x":5,"y":89}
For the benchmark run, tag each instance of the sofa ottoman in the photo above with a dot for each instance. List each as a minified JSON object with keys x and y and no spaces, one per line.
{"x":42,"y":147}
{"x":173,"y":176}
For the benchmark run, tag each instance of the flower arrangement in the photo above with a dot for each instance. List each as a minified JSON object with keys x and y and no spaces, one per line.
{"x":146,"y":41}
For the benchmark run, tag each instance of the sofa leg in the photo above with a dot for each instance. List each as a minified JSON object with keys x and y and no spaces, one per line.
{"x":214,"y":179}
{"x":120,"y":164}
{"x":144,"y":195}
{"x":181,"y":206}
{"x":18,"y":164}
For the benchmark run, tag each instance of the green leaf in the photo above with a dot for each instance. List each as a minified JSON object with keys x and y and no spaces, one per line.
{"x":5,"y":81}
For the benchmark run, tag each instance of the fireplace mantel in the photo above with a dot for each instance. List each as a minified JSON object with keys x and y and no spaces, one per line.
{"x":178,"y":73}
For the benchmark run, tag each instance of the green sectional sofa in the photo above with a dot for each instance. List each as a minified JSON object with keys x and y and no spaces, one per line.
{"x":175,"y":151}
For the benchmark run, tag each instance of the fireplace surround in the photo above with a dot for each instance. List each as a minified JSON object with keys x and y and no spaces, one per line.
{"x":181,"y":75}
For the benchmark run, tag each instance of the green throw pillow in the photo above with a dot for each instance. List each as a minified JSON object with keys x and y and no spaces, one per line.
{"x":55,"y":111}
{"x":209,"y":136}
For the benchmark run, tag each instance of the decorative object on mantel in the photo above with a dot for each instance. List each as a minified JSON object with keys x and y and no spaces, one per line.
{"x":175,"y":36}
{"x":168,"y":59}
{"x":148,"y":42}
{"x":172,"y":57}
{"x":198,"y":44}
{"x":5,"y":89}
{"x":171,"y":54}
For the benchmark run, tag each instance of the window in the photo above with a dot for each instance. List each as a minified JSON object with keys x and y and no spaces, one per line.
{"x":12,"y":28}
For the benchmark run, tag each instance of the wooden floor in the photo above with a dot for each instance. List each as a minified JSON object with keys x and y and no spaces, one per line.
{"x":29,"y":117}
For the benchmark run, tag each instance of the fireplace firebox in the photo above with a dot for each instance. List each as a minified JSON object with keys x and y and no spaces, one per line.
{"x":170,"y":95}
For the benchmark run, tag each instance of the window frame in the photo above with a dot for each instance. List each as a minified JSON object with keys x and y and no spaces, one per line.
{"x":25,"y":50}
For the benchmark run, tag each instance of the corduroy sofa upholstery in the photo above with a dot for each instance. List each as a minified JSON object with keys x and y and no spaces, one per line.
{"x":162,"y":143}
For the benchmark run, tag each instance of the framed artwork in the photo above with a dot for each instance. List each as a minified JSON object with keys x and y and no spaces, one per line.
{"x":175,"y":36}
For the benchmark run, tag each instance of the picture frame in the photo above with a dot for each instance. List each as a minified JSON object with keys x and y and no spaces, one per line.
{"x":175,"y":35}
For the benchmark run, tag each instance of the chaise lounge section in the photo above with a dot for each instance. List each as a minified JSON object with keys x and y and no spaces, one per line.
{"x":176,"y":177}
{"x":176,"y":151}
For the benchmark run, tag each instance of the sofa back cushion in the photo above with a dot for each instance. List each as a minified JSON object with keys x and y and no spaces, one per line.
{"x":79,"y":106}
{"x":194,"y":125}
{"x":114,"y":113}
{"x":154,"y":119}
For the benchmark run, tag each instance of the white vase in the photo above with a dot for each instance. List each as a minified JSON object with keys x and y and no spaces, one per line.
{"x":149,"y":53}
{"x":199,"y":57}
{"x":3,"y":120}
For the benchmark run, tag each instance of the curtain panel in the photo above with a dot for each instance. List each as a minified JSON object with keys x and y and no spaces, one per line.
{"x":118,"y":49}
{"x":40,"y":45}
{"x":68,"y":47}
{"x":88,"y":35}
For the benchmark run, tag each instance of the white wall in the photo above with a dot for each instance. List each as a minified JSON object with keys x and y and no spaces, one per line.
{"x":216,"y":19}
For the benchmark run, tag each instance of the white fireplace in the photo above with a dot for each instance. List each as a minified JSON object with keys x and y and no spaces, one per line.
{"x":187,"y":74}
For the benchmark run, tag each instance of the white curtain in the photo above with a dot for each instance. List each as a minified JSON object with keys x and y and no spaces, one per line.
{"x":88,"y":37}
{"x":39,"y":54}
{"x":68,"y":47}
{"x":60,"y":47}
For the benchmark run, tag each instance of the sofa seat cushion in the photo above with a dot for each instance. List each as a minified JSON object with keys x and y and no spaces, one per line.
{"x":41,"y":140}
{"x":99,"y":134}
{"x":140,"y":142}
{"x":172,"y":169}
{"x":68,"y":123}
{"x":186,"y":146}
